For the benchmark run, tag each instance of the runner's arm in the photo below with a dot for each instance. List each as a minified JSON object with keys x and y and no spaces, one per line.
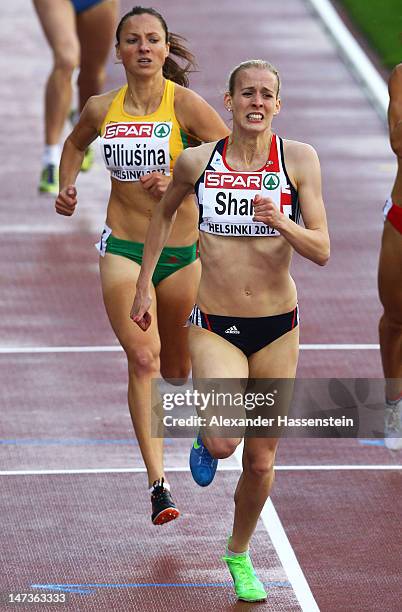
{"x":395,"y":110}
{"x":74,"y":148}
{"x":198,"y":118}
{"x":311,"y":241}
{"x":158,"y":234}
{"x":85,"y":132}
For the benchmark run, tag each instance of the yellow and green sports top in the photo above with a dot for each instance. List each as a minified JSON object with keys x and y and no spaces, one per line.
{"x":134,"y":146}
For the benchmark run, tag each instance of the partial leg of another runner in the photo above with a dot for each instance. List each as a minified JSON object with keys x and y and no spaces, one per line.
{"x":390,"y":328}
{"x":213,"y":359}
{"x":175,"y":298}
{"x":119,"y":276}
{"x":57,"y":18}
{"x":390,"y":275}
{"x":95,"y":29}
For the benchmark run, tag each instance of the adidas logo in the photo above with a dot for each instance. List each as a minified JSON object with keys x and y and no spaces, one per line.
{"x":232,"y":330}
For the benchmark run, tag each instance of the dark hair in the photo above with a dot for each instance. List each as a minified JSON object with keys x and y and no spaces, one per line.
{"x":171,"y":70}
{"x":262,"y":64}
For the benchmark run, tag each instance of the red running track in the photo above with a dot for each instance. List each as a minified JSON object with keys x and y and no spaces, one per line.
{"x":67,"y":411}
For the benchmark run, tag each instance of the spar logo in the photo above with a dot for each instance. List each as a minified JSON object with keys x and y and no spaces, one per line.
{"x":271,"y":181}
{"x":128,"y":130}
{"x":233,"y":180}
{"x":162,"y":130}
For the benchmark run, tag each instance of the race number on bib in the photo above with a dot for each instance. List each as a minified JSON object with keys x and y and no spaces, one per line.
{"x":132,"y":149}
{"x":101,"y":245}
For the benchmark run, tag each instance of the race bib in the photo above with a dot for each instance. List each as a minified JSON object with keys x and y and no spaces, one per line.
{"x":101,"y":245}
{"x":227,"y":202}
{"x":132,"y":149}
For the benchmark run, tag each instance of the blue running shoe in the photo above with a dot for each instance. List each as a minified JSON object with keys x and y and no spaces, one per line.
{"x":202,"y":464}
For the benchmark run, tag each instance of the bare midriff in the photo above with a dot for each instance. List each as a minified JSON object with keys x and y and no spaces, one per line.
{"x":130,"y":210}
{"x":245,"y":277}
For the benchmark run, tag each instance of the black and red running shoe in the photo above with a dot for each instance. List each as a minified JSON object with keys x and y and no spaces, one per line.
{"x":163,"y":507}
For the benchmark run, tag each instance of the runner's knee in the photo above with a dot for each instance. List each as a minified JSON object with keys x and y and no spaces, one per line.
{"x":142,"y":361}
{"x":66,"y":60}
{"x":175,"y":373}
{"x":91,"y":79}
{"x":258,"y":465}
{"x":221,"y":448}
{"x":391,"y":319}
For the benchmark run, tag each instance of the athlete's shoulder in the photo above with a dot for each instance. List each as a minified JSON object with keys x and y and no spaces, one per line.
{"x":96,"y":107}
{"x":185,"y":95}
{"x":197,"y":117}
{"x":301,"y":161}
{"x":189,"y":104}
{"x":104,"y":100}
{"x":298,"y":150}
{"x":188,"y":101}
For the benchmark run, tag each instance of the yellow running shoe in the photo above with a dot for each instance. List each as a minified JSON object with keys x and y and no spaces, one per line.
{"x":49,"y":179}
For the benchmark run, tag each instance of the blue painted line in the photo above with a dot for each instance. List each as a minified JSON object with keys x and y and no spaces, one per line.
{"x":71,"y":442}
{"x":64,"y":589}
{"x":372,"y":442}
{"x":90,"y":589}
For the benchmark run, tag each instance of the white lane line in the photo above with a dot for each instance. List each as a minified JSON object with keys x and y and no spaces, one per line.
{"x":285,"y":552}
{"x":134,"y":470}
{"x":222,"y":468}
{"x":9,"y":350}
{"x":339,"y":347}
{"x":356,"y":58}
{"x":318,"y":468}
{"x":60,"y":349}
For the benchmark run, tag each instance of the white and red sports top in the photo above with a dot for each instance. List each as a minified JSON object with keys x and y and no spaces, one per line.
{"x":225,"y":196}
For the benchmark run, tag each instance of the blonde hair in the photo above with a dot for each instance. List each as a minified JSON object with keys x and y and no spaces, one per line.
{"x":255,"y":63}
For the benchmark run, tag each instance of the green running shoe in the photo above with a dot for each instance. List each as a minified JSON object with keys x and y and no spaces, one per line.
{"x":247,"y":586}
{"x":88,"y":160}
{"x":49,"y":179}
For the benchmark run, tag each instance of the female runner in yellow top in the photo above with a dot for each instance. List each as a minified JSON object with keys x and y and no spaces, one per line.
{"x":143,"y":128}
